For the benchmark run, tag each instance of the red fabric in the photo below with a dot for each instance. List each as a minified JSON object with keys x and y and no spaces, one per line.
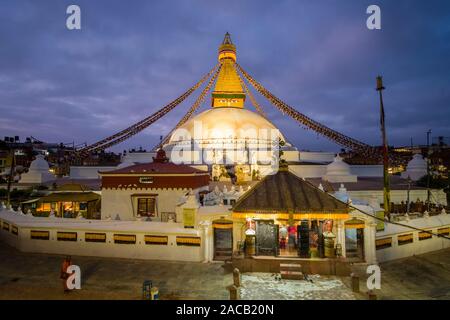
{"x":291,"y":230}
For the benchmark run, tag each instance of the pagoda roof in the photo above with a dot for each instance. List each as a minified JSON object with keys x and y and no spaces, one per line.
{"x":285,"y":193}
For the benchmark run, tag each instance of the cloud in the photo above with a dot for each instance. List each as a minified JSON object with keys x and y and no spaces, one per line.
{"x":130,"y":59}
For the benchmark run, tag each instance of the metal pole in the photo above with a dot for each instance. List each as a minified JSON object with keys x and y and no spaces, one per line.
{"x":428,"y":170}
{"x":386,"y":187}
{"x":408,"y":201}
{"x":10,"y":178}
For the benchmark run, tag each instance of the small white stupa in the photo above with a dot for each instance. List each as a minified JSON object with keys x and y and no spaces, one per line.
{"x":339,"y":171}
{"x":416,"y":168}
{"x":38,"y":172}
{"x":342,"y":194}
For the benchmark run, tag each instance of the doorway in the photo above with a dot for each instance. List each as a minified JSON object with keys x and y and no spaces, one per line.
{"x":223,"y":240}
{"x":354,"y":243}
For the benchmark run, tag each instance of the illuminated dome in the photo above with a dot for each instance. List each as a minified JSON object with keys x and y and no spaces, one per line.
{"x":226,"y":133}
{"x":222,"y":124}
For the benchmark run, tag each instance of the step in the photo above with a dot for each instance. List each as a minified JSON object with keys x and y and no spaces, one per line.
{"x":291,"y":266}
{"x":292,"y":275}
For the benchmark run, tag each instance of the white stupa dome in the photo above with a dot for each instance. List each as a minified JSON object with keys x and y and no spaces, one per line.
{"x":416,"y":168}
{"x":417,"y":163}
{"x":222,"y":124}
{"x":338,"y":167}
{"x":38,"y":172}
{"x":39,"y":164}
{"x":339,"y":171}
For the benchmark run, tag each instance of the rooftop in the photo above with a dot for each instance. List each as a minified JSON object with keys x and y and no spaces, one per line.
{"x":284,"y":192}
{"x":156,"y":168}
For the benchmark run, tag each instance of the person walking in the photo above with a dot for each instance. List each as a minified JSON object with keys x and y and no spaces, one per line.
{"x":64,"y":275}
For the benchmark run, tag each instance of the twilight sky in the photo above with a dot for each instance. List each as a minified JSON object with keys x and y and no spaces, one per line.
{"x":133,"y":57}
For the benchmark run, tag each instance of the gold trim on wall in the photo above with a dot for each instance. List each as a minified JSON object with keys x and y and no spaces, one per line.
{"x":188,"y":241}
{"x":40,"y":235}
{"x":158,"y":240}
{"x":66,"y":236}
{"x":94,"y":237}
{"x":124,"y":238}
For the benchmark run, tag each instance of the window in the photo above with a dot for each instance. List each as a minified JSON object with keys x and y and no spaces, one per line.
{"x":225,"y":202}
{"x":146,"y":180}
{"x":146,"y":207}
{"x":44,"y":207}
{"x":166,"y":216}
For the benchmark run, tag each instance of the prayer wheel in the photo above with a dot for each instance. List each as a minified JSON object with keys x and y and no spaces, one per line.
{"x":329,"y":245}
{"x":250,"y":245}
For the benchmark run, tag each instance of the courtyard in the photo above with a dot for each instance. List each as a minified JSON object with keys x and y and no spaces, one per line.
{"x":36,"y":276}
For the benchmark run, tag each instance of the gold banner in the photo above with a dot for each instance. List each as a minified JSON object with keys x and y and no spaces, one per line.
{"x":405,"y":237}
{"x":66,"y":236}
{"x":125,"y":238}
{"x":223,"y":226}
{"x":40,"y":235}
{"x":425,"y":235}
{"x":382,"y":242}
{"x":95,"y":237}
{"x":380,"y":220}
{"x":189,"y":218}
{"x":189,"y":241}
{"x":156,"y":239}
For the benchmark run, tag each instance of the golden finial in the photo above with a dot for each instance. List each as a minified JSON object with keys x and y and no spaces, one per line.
{"x":227,"y":49}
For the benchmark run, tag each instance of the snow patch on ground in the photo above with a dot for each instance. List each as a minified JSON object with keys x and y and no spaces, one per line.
{"x":268,"y":286}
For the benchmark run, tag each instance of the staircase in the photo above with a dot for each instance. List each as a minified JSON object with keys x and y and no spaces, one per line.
{"x":291,"y":271}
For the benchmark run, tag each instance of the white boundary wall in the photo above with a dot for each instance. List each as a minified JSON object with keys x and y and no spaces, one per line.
{"x":23,"y":225}
{"x":416,"y":247}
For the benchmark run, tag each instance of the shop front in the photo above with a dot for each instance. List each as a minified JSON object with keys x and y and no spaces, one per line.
{"x":306,"y":238}
{"x":286,"y":216}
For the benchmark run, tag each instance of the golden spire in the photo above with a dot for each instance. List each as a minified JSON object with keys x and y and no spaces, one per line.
{"x":228,"y":91}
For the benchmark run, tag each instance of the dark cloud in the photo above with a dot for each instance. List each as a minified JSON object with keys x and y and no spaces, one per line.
{"x":131,"y":58}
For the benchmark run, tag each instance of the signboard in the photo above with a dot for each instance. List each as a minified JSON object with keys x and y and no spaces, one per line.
{"x":189,"y":218}
{"x":380,"y":223}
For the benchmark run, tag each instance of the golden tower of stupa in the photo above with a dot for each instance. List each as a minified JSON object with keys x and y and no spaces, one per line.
{"x":228,"y":91}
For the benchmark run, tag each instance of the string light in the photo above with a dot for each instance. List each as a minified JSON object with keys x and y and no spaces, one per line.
{"x":141,"y":125}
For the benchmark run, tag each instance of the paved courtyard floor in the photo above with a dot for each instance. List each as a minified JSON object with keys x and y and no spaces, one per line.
{"x":36,"y":276}
{"x":420,"y":277}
